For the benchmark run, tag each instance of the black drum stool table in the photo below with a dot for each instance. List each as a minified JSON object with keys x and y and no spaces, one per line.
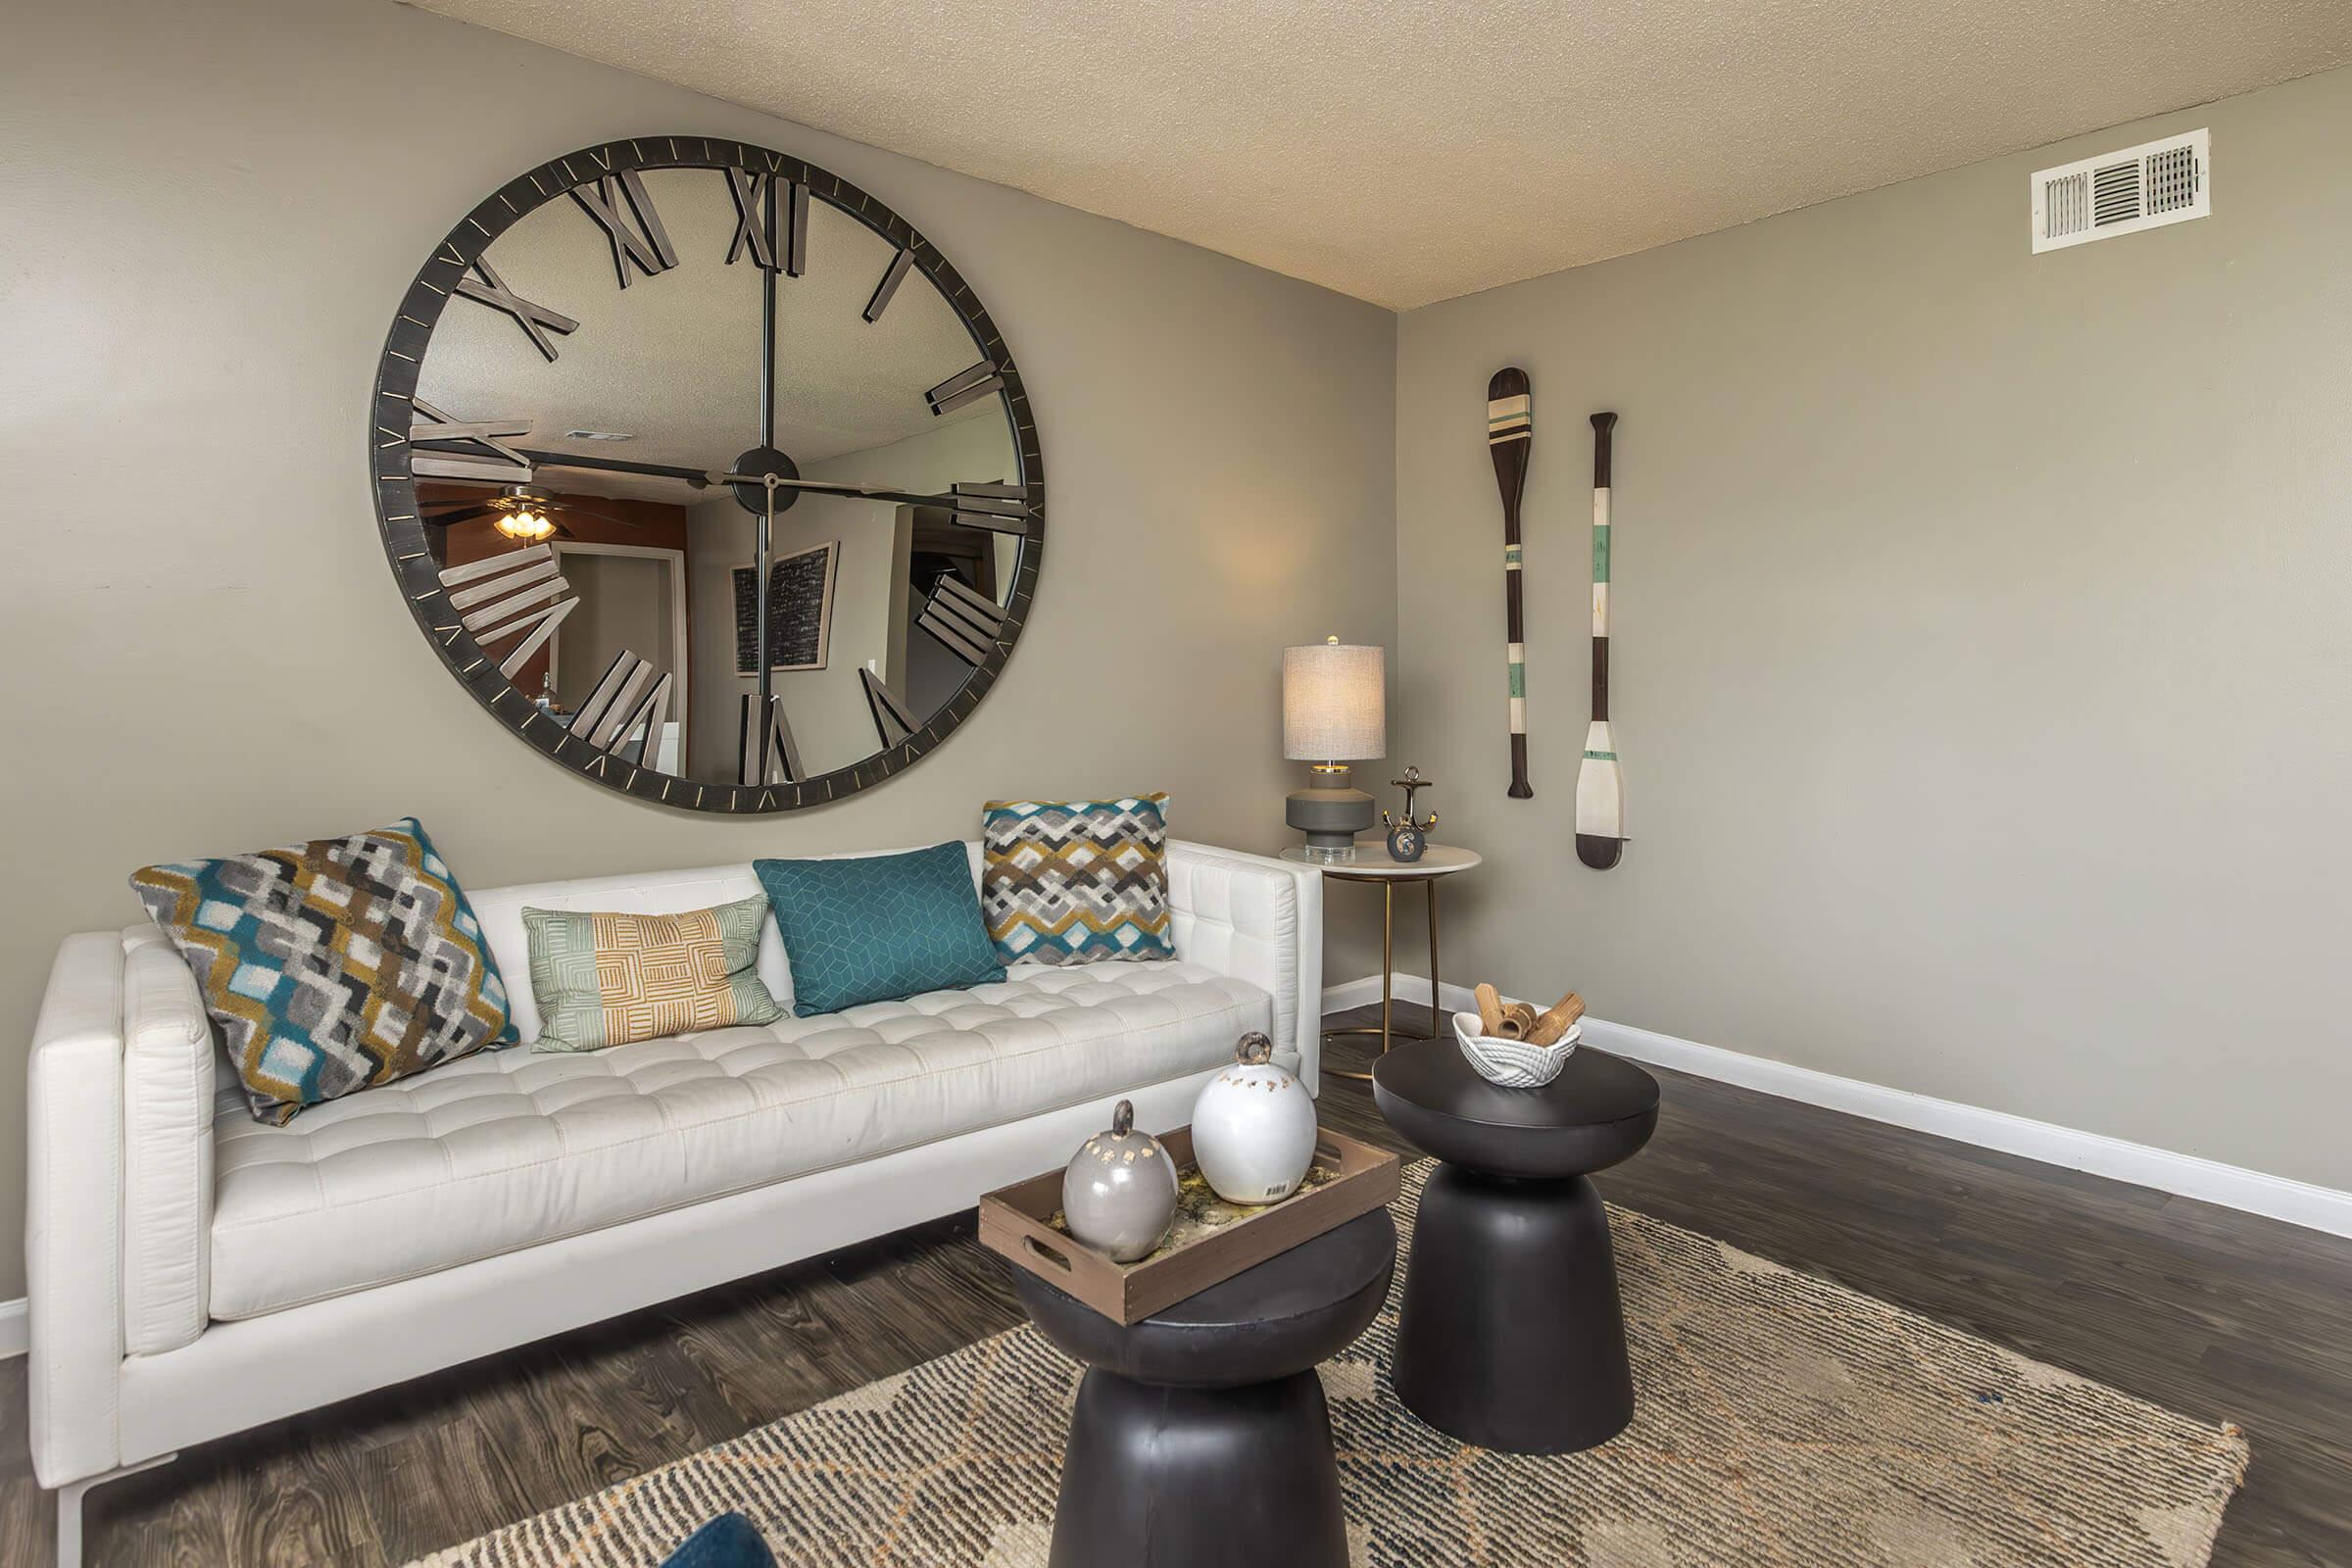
{"x":1199,"y":1435}
{"x":1511,"y":1335}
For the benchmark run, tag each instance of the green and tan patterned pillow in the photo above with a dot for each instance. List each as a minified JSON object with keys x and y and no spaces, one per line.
{"x":608,"y":979}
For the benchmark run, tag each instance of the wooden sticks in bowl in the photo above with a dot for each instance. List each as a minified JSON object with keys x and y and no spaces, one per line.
{"x":1518,"y":1020}
{"x":1557,"y":1021}
{"x":1490,"y":1010}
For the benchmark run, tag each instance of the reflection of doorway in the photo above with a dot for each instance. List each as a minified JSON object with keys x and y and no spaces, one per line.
{"x":632,"y":597}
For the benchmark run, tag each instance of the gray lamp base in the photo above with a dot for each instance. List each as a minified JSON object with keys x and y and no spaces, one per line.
{"x":1330,"y":818}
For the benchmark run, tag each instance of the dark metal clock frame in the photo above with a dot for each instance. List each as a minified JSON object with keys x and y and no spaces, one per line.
{"x":412,"y":560}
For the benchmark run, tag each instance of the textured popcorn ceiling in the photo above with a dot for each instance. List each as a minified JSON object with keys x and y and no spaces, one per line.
{"x":1409,"y":152}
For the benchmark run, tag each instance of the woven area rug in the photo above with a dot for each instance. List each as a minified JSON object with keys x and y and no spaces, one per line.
{"x":1782,"y":1420}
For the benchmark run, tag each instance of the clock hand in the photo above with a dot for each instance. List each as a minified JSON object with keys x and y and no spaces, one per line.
{"x":992,"y":508}
{"x":764,"y":533}
{"x":700,"y":479}
{"x":1003,"y":508}
{"x":956,"y":499}
{"x":762,"y":540}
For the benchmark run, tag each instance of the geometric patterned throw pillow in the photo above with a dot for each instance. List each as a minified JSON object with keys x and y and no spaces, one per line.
{"x":335,"y":966}
{"x":607,"y":979}
{"x":1077,"y":881}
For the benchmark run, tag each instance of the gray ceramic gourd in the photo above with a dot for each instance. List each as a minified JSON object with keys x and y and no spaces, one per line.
{"x":1119,"y":1195}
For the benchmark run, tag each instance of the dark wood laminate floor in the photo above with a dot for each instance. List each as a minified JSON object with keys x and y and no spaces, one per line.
{"x":2208,"y":1311}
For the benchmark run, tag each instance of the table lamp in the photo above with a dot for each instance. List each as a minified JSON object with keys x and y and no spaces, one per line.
{"x":1335,"y":711}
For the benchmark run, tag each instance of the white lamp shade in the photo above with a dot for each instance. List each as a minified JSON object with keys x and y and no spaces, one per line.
{"x":1335,"y":706}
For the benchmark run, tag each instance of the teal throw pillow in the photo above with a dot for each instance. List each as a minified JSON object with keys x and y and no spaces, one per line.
{"x":876,"y":927}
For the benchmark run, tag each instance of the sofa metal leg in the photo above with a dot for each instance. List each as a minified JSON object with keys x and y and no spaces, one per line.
{"x":69,"y":1506}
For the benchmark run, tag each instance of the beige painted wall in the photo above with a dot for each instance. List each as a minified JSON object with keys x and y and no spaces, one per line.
{"x":1984,"y":631}
{"x":207,"y":651}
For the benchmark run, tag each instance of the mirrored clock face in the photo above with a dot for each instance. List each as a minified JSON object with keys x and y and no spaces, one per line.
{"x":669,"y":403}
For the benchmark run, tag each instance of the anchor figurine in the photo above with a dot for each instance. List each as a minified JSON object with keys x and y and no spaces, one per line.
{"x":1406,"y":837}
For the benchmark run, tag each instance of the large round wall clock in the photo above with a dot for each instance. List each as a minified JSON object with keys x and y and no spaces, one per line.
{"x":707,"y":474}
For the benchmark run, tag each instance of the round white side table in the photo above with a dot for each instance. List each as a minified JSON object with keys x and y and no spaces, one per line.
{"x":1371,"y":863}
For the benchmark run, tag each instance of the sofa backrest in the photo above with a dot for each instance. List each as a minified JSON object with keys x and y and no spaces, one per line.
{"x":500,"y":910}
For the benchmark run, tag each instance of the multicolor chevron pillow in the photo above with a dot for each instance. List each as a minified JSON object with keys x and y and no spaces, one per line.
{"x":335,"y":966}
{"x":608,"y":979}
{"x":1077,"y":881}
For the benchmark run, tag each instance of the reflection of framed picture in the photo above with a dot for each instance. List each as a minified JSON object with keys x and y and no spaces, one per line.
{"x":800,"y":609}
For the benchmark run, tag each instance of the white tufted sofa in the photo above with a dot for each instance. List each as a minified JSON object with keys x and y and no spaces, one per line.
{"x":194,"y":1272}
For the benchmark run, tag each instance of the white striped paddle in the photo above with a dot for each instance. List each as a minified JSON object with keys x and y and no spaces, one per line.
{"x":1599,"y":791}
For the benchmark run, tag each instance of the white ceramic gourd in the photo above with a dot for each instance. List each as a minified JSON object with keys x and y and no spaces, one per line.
{"x":1254,"y":1127}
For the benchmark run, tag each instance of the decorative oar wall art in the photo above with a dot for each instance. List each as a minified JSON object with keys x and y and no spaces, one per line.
{"x":1599,"y":792}
{"x":1510,"y":432}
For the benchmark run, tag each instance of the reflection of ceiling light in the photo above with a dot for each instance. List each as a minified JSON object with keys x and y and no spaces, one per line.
{"x":597,"y":435}
{"x":525,"y":522}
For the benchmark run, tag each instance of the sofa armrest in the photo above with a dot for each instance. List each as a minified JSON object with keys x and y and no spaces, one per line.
{"x":1261,"y":920}
{"x":168,"y":1075}
{"x":74,"y":1205}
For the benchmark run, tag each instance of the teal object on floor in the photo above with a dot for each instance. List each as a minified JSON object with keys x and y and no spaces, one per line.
{"x":726,"y":1542}
{"x":877,"y":927}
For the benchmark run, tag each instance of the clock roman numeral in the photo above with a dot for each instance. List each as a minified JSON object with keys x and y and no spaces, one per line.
{"x":965,"y":386}
{"x":963,"y":620}
{"x":750,"y":191}
{"x":996,"y":507}
{"x":796,"y":231}
{"x":646,"y":725}
{"x":536,"y":321}
{"x":505,"y":582}
{"x":647,"y":244}
{"x":893,"y":722}
{"x":753,"y":193}
{"x":448,"y":456}
{"x":611,"y":699}
{"x":542,"y":626}
{"x":892,"y":277}
{"x":490,"y":622}
{"x":781,"y":763}
{"x":515,"y":582}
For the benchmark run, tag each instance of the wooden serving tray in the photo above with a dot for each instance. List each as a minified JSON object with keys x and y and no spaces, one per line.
{"x":1212,"y":1241}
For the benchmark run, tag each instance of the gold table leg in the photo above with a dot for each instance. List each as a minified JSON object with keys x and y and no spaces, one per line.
{"x":1387,"y":974}
{"x":1437,"y":1008}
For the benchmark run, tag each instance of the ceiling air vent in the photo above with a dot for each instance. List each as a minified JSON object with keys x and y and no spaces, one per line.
{"x":2159,"y":182}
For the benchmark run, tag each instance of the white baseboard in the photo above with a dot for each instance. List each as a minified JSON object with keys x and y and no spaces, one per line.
{"x":1357,"y":993}
{"x":2320,"y":1208}
{"x":15,"y":1336}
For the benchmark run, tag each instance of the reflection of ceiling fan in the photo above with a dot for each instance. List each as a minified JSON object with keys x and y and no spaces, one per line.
{"x":519,"y":511}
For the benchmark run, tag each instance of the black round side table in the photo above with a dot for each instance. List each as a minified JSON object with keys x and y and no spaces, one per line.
{"x":1199,"y":1435}
{"x":1511,"y":1335}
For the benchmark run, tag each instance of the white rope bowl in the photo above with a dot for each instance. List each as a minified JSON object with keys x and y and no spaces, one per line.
{"x":1513,"y":1064}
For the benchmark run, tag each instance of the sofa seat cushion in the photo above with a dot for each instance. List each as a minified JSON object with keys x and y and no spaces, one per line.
{"x":507,"y":1149}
